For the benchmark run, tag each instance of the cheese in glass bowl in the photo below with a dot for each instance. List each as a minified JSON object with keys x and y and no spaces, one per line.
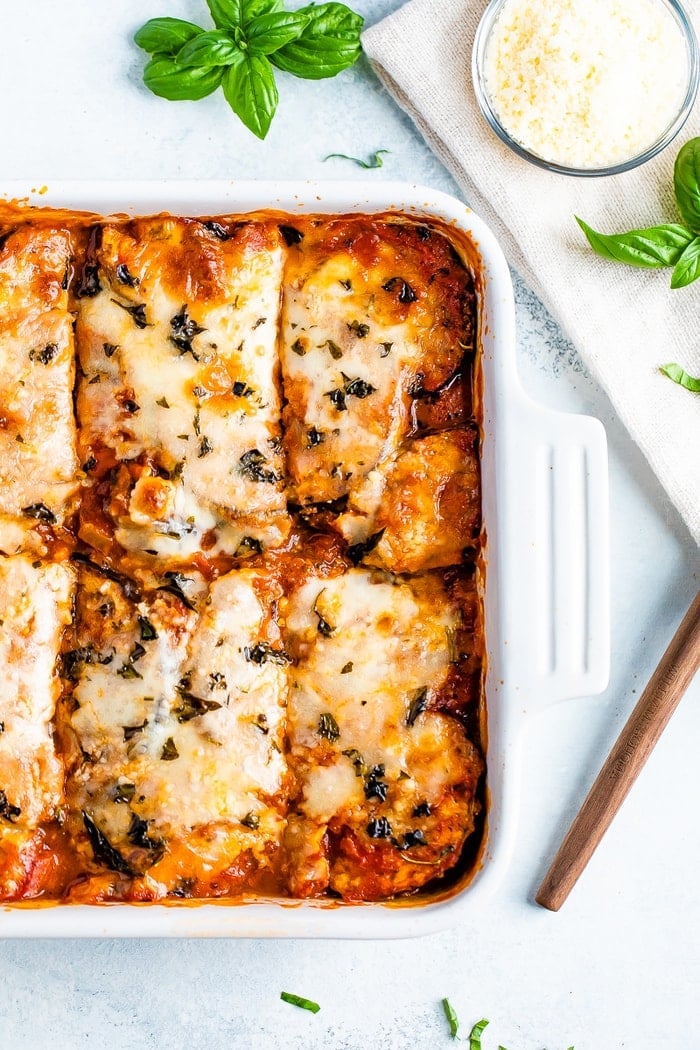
{"x":585,"y":87}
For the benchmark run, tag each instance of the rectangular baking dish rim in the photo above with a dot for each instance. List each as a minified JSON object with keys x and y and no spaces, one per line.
{"x":504,"y":402}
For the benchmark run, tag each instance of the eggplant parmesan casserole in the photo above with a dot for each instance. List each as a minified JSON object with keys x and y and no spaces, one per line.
{"x":240,"y":529}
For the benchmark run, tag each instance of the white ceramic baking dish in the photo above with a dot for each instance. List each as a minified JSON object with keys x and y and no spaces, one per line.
{"x":546,"y":595}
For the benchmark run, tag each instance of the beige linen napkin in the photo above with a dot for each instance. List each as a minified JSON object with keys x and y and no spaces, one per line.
{"x":624,"y":321}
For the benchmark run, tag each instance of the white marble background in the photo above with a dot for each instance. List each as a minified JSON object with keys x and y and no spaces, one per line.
{"x":619,"y":967}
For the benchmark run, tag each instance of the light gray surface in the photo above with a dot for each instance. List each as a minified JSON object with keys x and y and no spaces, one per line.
{"x":619,"y":966}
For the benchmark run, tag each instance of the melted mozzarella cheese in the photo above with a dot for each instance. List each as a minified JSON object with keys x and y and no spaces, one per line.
{"x":35,"y":602}
{"x":198,"y":735}
{"x":345,"y":390}
{"x":370,"y":653}
{"x":387,"y":640}
{"x":189,"y":383}
{"x":38,"y":461}
{"x":373,"y":313}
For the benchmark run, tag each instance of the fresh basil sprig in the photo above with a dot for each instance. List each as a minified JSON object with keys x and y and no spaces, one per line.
{"x":654,"y":246}
{"x":251,"y":36}
{"x":680,"y":376}
{"x":669,"y":244}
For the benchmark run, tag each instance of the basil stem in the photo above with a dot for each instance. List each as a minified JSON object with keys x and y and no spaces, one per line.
{"x":680,"y":376}
{"x":652,"y":247}
{"x":375,"y":160}
{"x":299,"y":1000}
{"x":687,"y":269}
{"x":451,"y":1017}
{"x":686,"y":183}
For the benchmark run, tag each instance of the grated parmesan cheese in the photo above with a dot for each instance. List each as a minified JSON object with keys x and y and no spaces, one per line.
{"x":586,"y":83}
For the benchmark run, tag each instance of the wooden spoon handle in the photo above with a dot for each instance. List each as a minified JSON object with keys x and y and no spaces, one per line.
{"x":637,"y":740}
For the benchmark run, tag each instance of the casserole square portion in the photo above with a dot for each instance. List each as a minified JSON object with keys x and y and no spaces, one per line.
{"x":378,"y":333}
{"x":178,"y":400}
{"x":36,"y":606}
{"x":420,"y":508}
{"x":173,"y":724}
{"x":385,"y":777}
{"x":38,"y":463}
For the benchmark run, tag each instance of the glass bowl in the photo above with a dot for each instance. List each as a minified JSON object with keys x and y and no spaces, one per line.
{"x":481,"y":40}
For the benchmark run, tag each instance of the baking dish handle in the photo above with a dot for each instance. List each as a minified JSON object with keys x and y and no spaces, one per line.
{"x":560,"y":550}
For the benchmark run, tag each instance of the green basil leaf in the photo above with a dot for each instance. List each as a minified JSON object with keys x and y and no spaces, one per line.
{"x":164,"y":77}
{"x":213,"y":48}
{"x":254,"y":8}
{"x":333,"y":19}
{"x":329,"y":43}
{"x":680,"y":376}
{"x":299,"y":1000}
{"x":227,"y":14}
{"x":251,"y":92}
{"x":315,"y":61}
{"x":686,"y":183}
{"x":652,"y":247}
{"x":165,"y":35}
{"x":687,"y":269}
{"x":268,"y":33}
{"x":375,"y":161}
{"x":451,"y":1017}
{"x":475,"y":1034}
